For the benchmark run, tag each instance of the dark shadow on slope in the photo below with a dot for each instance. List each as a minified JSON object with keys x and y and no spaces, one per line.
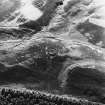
{"x":86,"y":82}
{"x":43,"y":76}
{"x":92,"y":32}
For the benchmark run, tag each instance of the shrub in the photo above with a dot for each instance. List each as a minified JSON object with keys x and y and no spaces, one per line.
{"x":26,"y":97}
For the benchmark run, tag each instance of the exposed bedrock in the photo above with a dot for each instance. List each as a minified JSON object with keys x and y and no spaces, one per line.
{"x":48,"y":11}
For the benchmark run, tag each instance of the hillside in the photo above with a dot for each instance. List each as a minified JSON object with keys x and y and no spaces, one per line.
{"x":55,"y":46}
